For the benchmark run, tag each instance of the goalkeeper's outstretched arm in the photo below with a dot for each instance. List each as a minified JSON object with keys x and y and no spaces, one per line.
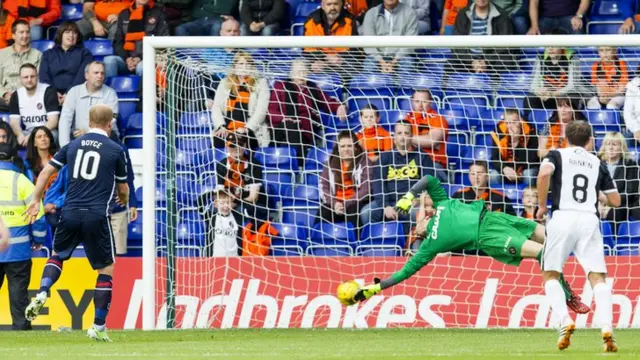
{"x":431,"y":185}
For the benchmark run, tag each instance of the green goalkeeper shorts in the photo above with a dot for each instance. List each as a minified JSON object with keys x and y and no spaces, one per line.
{"x":501,"y":236}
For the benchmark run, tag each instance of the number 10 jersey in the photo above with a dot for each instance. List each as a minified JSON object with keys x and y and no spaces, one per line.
{"x":577,"y":179}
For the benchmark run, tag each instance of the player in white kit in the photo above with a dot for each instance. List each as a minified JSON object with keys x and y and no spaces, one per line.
{"x":578,"y":180}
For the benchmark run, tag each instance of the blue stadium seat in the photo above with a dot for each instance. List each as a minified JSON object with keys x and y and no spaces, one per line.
{"x":330,"y":83}
{"x":628,"y":233}
{"x":4,"y":117}
{"x":456,"y":149}
{"x":453,"y":188}
{"x":280,"y":158}
{"x":302,"y":217}
{"x":514,"y":83}
{"x":473,"y":105}
{"x":185,"y":161}
{"x":468,"y":83}
{"x":134,"y":234}
{"x":604,"y":120}
{"x":311,"y":179}
{"x":608,"y":10}
{"x":139,"y":196}
{"x":389,"y":118}
{"x":387,"y":233}
{"x":43,"y":45}
{"x":540,"y":118}
{"x":290,"y":239}
{"x":325,"y":233}
{"x":378,"y":250}
{"x":513,"y":192}
{"x":474,"y":153}
{"x":71,"y":12}
{"x":208,"y":181}
{"x":199,"y":123}
{"x":194,"y":143}
{"x":187,"y":189}
{"x":207,"y":159}
{"x":99,"y":48}
{"x":125,"y":110}
{"x":329,"y":250}
{"x":191,"y":229}
{"x":429,"y":79}
{"x":510,"y":101}
{"x":304,"y":9}
{"x":278,"y":185}
{"x":608,"y":234}
{"x":127,"y":87}
{"x":457,"y":119}
{"x":134,"y":124}
{"x":489,"y":119}
{"x":603,"y":27}
{"x":372,"y":84}
{"x":302,"y":197}
{"x":354,"y":104}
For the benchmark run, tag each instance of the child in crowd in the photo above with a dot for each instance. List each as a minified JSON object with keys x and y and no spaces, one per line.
{"x":373,"y":138}
{"x":610,"y":76}
{"x":530,"y":202}
{"x":223,"y":235}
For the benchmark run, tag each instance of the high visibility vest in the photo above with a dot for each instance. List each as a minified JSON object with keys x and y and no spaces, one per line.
{"x":16,"y":192}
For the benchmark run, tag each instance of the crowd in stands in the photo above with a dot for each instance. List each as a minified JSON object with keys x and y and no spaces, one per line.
{"x":368,"y":158}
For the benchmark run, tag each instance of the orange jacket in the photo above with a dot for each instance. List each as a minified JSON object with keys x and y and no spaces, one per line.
{"x":47,"y":10}
{"x":257,"y":243}
{"x":316,"y":25}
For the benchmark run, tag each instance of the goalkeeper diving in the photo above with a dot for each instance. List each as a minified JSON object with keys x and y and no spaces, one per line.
{"x":447,"y":225}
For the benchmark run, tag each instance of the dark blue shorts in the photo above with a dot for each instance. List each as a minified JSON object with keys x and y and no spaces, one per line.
{"x":92,"y":231}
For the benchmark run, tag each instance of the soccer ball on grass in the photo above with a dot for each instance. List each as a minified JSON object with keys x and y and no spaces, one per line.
{"x":346,"y":292}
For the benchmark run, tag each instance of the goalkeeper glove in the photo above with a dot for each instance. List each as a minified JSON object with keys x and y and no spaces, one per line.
{"x":404,"y":205}
{"x":368,"y":291}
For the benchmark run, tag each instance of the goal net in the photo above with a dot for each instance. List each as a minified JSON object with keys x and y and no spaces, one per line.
{"x":273,"y":166}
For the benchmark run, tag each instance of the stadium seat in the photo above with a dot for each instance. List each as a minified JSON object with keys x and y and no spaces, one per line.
{"x":628,"y":233}
{"x":608,"y":10}
{"x":513,"y":192}
{"x":125,"y":110}
{"x":44,"y":252}
{"x":208,"y":181}
{"x":454,"y":188}
{"x":458,"y":120}
{"x":330,"y":83}
{"x":99,"y":48}
{"x":473,"y":105}
{"x":514,"y":84}
{"x":355,"y":103}
{"x":43,"y":45}
{"x":329,"y":250}
{"x":278,"y":158}
{"x":127,"y":87}
{"x":207,"y":159}
{"x":468,"y":83}
{"x":389,"y":118}
{"x":302,"y":197}
{"x":540,"y":118}
{"x":199,"y":123}
{"x":290,"y":238}
{"x":134,"y":234}
{"x":139,"y":196}
{"x":474,"y":153}
{"x":510,"y":101}
{"x":4,"y":117}
{"x":431,"y":79}
{"x":372,"y":84}
{"x":191,"y":229}
{"x":604,"y":120}
{"x":325,"y":233}
{"x":303,"y":10}
{"x":603,"y":27}
{"x":311,"y":179}
{"x":387,"y":233}
{"x":302,"y":217}
{"x":456,"y":148}
{"x":194,"y":143}
{"x":71,"y":12}
{"x":316,"y":159}
{"x":378,"y":250}
{"x":278,"y":185}
{"x":608,"y":234}
{"x":185,"y":160}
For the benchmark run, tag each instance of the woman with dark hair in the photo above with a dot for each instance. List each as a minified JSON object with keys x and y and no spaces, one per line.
{"x":40,"y":149}
{"x":63,"y":66}
{"x":7,"y":136}
{"x":345,"y":181}
{"x":552,"y":136}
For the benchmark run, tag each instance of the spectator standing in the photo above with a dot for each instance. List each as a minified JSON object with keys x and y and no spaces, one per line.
{"x":241,"y":176}
{"x":552,"y":136}
{"x":63,"y":66}
{"x":32,"y":105}
{"x":40,"y":149}
{"x":261,"y":17}
{"x":449,"y":15}
{"x":15,"y":262}
{"x":519,"y":16}
{"x":332,"y":19}
{"x":479,"y":190}
{"x":218,"y":59}
{"x":430,"y":130}
{"x":208,"y":15}
{"x":515,"y":150}
{"x":74,"y":118}
{"x":295,"y":107}
{"x":141,"y":19}
{"x":38,"y":13}
{"x":610,"y":76}
{"x":555,"y":73}
{"x":624,"y":171}
{"x":223,"y":232}
{"x":372,"y":137}
{"x":12,"y":58}
{"x":421,"y":7}
{"x":389,"y":18}
{"x":395,"y":173}
{"x":241,"y":101}
{"x":344,"y":182}
{"x":100,"y":17}
{"x":551,"y":15}
{"x":121,"y":216}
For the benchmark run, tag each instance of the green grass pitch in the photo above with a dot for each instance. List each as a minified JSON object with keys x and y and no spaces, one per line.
{"x":313,"y":344}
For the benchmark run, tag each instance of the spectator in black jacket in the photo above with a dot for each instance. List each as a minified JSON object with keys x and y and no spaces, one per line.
{"x":261,"y":17}
{"x":139,"y":20}
{"x":479,"y":190}
{"x":515,"y":150}
{"x":63,"y":66}
{"x":624,"y":171}
{"x":482,"y":17}
{"x":394,"y":174}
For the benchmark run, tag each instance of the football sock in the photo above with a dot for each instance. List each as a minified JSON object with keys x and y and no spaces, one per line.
{"x":51,"y":273}
{"x":565,"y":286}
{"x":604,"y":306}
{"x":556,"y":298}
{"x":102,"y":299}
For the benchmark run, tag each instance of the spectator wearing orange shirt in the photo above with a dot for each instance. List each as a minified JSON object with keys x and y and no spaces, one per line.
{"x":479,"y":190}
{"x":430,"y":130}
{"x":344,"y":182}
{"x":39,"y":14}
{"x":100,"y":17}
{"x":552,"y":136}
{"x":610,"y":76}
{"x":372,"y":137}
{"x":451,"y":9}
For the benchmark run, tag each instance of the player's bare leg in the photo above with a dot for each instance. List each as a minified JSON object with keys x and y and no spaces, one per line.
{"x":604,"y":309}
{"x":555,"y":295}
{"x":102,"y":301}
{"x":50,"y":274}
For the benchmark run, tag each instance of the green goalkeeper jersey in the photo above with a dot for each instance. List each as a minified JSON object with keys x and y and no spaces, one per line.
{"x":454,"y":226}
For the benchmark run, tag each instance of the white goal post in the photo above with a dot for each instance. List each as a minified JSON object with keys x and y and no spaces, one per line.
{"x":152,"y":44}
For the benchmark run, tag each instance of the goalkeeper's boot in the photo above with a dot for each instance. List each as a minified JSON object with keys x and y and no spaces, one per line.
{"x":574,"y":302}
{"x":564,"y":340}
{"x":33,"y":310}
{"x":97,"y":334}
{"x":609,"y":342}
